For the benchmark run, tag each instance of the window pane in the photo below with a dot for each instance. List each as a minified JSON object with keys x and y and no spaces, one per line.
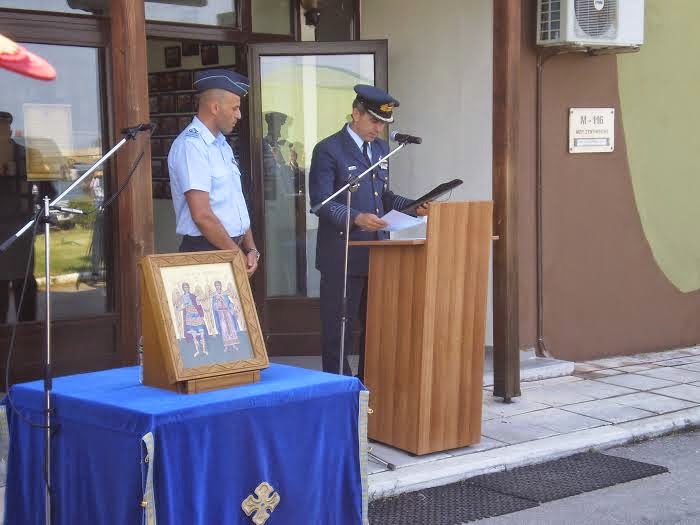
{"x":205,"y":12}
{"x":59,"y":6}
{"x":304,"y":100}
{"x":50,"y":133}
{"x":271,"y":16}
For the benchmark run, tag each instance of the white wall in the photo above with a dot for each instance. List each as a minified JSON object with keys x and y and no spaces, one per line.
{"x":440,"y":69}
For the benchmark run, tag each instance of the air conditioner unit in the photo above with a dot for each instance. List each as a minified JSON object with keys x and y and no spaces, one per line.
{"x":590,"y":23}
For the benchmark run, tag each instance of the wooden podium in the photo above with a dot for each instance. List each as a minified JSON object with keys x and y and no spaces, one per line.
{"x":426,"y":317}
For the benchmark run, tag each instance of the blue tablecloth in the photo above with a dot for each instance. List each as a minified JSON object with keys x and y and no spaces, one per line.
{"x":301,"y":431}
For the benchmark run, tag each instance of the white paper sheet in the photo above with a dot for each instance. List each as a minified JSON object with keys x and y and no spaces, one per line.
{"x":397,"y":221}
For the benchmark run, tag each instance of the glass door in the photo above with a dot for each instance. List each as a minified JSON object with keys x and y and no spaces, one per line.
{"x":302,"y":93}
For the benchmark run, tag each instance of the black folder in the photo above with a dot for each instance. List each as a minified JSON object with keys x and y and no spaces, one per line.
{"x":433,"y":194}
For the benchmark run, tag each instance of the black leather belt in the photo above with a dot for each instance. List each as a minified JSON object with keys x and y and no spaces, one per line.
{"x":196,"y":243}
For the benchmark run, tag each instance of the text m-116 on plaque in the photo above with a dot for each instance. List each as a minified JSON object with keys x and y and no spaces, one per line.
{"x":591,"y":130}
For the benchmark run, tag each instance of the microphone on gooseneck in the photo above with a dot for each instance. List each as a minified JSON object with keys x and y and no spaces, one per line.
{"x":403,"y":138}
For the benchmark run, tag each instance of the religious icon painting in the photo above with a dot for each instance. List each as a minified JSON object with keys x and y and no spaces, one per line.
{"x":202,"y":307}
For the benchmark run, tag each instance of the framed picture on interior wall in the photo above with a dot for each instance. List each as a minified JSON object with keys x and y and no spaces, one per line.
{"x":156,"y":169}
{"x":168,"y":126}
{"x":156,"y":147}
{"x":190,"y":49}
{"x":183,"y":122}
{"x":153,"y":104}
{"x":210,"y":54}
{"x":153,"y":82}
{"x":184,"y":103}
{"x":156,"y":122}
{"x":166,"y":144}
{"x":200,"y":316}
{"x":173,"y":56}
{"x":183,"y":79}
{"x":166,"y":103}
{"x":168,"y":81}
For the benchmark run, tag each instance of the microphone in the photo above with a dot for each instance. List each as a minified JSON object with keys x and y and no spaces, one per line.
{"x":404,"y":138}
{"x":145,"y":126}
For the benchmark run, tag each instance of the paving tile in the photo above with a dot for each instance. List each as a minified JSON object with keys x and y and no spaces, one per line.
{"x":375,"y":468}
{"x":598,"y":390}
{"x":616,"y":362}
{"x":556,"y":395}
{"x":695,"y":367}
{"x":486,"y":443}
{"x":638,"y":382}
{"x":401,"y":458}
{"x":511,"y":433}
{"x":519,"y":405}
{"x":604,"y":372}
{"x":680,"y":361}
{"x":652,"y":357}
{"x":526,"y":385}
{"x":636,"y":368}
{"x":608,"y":410}
{"x":677,"y":375}
{"x":687,"y":392}
{"x":653,"y":402}
{"x":558,"y":420}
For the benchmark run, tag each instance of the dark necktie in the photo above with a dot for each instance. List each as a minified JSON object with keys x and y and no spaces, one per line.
{"x":365,"y":152}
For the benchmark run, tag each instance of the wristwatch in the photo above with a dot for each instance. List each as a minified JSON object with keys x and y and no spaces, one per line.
{"x":255,"y":251}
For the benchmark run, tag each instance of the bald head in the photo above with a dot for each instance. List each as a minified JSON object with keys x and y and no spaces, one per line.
{"x":219,"y":110}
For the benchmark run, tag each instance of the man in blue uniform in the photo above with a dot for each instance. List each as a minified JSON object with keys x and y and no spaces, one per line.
{"x":347,"y":153}
{"x":205,"y":179}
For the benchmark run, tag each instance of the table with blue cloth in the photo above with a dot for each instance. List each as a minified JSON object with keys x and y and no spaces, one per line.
{"x":125,"y":453}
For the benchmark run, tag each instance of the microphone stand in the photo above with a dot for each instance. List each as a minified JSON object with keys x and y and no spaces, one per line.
{"x":47,"y":219}
{"x":352,"y":185}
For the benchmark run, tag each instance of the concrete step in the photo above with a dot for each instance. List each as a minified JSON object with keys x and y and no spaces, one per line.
{"x":532,"y":368}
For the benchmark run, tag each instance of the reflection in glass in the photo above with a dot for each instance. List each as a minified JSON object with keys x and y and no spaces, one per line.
{"x":50,"y":133}
{"x":205,"y":12}
{"x":271,"y":16}
{"x":58,"y":6}
{"x":304,"y":100}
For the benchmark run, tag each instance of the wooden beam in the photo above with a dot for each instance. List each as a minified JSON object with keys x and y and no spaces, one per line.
{"x":506,"y":62}
{"x":133,"y":218}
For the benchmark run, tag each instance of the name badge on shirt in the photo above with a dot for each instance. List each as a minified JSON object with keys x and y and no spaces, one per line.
{"x":384,"y":165}
{"x":352,"y":168}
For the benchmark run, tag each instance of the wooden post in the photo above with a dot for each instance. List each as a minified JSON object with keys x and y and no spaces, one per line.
{"x":133,"y":213}
{"x":506,"y":61}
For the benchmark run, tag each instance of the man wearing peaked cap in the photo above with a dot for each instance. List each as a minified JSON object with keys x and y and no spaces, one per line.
{"x":347,"y":153}
{"x":205,"y":178}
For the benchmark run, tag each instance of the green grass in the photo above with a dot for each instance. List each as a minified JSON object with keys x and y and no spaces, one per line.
{"x":69,"y":251}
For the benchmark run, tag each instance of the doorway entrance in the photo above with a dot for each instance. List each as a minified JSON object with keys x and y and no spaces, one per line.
{"x":301,"y":93}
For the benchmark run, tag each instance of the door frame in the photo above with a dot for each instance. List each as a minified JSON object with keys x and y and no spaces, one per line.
{"x":290,"y":319}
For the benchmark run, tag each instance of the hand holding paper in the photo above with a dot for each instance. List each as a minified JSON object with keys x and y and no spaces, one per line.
{"x":397,"y":221}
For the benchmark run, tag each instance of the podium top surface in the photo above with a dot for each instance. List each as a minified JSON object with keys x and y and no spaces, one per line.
{"x":394,"y":242}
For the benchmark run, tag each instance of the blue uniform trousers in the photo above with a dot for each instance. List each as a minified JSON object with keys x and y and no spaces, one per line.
{"x":331,"y":316}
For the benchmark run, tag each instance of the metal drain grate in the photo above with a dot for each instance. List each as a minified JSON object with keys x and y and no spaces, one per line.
{"x":511,"y":491}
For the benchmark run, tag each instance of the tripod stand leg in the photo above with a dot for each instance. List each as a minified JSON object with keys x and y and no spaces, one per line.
{"x":377,"y":459}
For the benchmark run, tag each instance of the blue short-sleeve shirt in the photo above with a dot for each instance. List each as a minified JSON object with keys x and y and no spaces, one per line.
{"x":198,"y":160}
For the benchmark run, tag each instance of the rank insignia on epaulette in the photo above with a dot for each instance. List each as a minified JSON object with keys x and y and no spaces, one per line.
{"x":192,"y":131}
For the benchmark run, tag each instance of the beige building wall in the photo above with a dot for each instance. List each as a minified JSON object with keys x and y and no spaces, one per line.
{"x":440,"y":69}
